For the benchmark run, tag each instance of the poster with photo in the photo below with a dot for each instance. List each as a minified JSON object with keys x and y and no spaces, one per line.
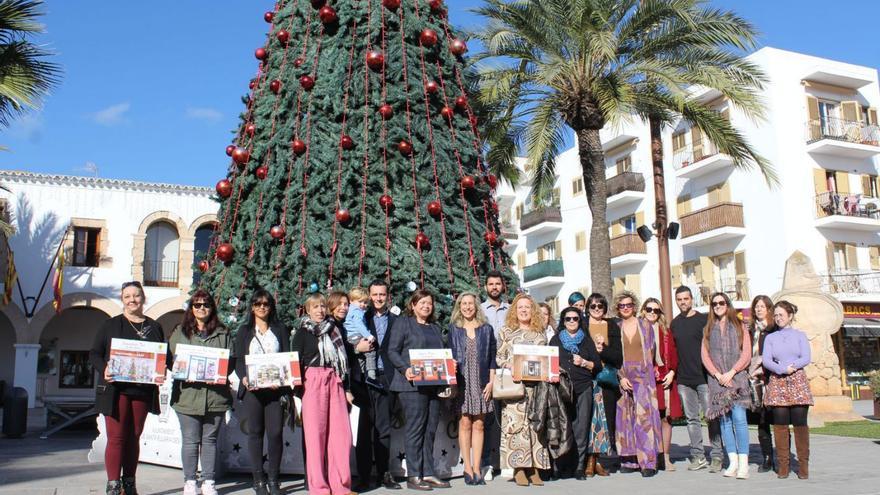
{"x":432,"y":366}
{"x":137,"y":361}
{"x":535,"y":363}
{"x":279,"y":369}
{"x":200,"y":364}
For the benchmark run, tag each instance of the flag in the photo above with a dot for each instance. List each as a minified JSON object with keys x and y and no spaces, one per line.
{"x":58,"y":281}
{"x":11,"y":276}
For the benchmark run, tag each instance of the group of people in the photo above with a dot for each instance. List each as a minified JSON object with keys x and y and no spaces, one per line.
{"x":624,"y":378}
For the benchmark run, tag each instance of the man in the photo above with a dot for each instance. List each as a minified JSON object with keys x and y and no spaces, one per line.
{"x":687,"y":330}
{"x":496,"y":312}
{"x":373,"y":397}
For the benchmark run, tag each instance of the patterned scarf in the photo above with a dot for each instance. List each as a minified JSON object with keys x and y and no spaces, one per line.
{"x":570,"y":342}
{"x":331,"y":348}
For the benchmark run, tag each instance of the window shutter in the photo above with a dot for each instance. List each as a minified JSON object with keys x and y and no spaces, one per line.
{"x":829,"y":256}
{"x":616,"y":228}
{"x":706,"y":269}
{"x":724,"y":192}
{"x":819,"y":180}
{"x":850,"y":112}
{"x":519,"y":212}
{"x":541,"y":254}
{"x":841,"y":180}
{"x":634,"y":284}
{"x":80,"y":247}
{"x":739,"y":260}
{"x":521,"y":260}
{"x":872,"y":116}
{"x":96,"y":257}
{"x":714,"y":194}
{"x":813,"y":116}
{"x":580,"y":241}
{"x":683,"y":205}
{"x":697,"y":143}
{"x":556,"y":195}
{"x":866,"y":184}
{"x":676,"y":276}
{"x":852,"y":260}
{"x":874,"y":254}
{"x":677,"y":142}
{"x":619,"y":285}
{"x":558,"y":250}
{"x":640,"y":219}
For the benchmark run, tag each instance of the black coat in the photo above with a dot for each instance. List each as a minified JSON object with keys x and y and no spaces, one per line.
{"x":243,"y":342}
{"x":581,"y":378}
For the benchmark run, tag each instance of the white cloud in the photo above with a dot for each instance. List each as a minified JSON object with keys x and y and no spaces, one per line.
{"x":203,"y":113}
{"x":112,"y":115}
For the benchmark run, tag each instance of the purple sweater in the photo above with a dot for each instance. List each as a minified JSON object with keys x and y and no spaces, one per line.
{"x":785,"y":347}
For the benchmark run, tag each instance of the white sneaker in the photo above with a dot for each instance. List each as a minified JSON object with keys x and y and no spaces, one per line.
{"x":731,"y":470}
{"x":488,"y":476}
{"x":190,"y":488}
{"x":742,"y":473}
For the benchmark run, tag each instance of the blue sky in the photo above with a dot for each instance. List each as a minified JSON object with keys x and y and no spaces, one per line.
{"x":151,"y":89}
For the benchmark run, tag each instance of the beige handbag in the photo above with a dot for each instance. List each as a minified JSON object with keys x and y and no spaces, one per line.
{"x":504,"y":388}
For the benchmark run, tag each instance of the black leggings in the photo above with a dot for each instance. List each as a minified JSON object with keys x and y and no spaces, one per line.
{"x":262,"y":411}
{"x":790,"y":415}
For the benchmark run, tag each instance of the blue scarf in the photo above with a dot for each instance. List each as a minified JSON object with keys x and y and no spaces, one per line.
{"x":570,"y":342}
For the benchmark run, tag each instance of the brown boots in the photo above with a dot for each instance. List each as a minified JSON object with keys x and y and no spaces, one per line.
{"x":782,"y":438}
{"x":535,"y":477}
{"x":802,"y":443}
{"x":519,"y":476}
{"x":594,"y":467}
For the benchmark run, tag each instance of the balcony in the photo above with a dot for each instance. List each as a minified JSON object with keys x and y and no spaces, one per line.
{"x":542,"y":220}
{"x":715,"y":223}
{"x":625,"y":188}
{"x":842,"y":138}
{"x":628,"y":249}
{"x":690,"y":163}
{"x":851,"y":283}
{"x":854,"y":212}
{"x":543,"y":274}
{"x":158,"y":273}
{"x":737,"y":289}
{"x":509,"y":234}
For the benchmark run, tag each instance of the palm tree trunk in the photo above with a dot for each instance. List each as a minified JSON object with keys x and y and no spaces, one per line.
{"x":593,"y":169}
{"x":660,"y":215}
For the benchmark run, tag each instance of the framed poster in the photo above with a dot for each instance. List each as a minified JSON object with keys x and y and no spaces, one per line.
{"x":200,"y":364}
{"x":76,"y":370}
{"x":279,"y":369}
{"x":432,"y":366}
{"x":536,"y":363}
{"x":137,"y":361}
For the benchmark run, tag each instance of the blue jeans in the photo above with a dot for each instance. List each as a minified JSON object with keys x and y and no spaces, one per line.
{"x":199,"y":439}
{"x":735,"y":431}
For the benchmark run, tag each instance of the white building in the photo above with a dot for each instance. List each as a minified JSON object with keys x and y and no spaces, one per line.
{"x":821,"y":136}
{"x":112,"y":231}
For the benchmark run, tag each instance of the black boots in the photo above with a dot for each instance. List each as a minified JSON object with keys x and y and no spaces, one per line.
{"x":389,"y":482}
{"x":767,"y":464}
{"x":128,"y":485}
{"x":260,"y":487}
{"x":114,"y":487}
{"x":273,"y":487}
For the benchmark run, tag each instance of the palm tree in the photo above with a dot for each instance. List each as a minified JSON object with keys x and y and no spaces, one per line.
{"x":582,"y":65}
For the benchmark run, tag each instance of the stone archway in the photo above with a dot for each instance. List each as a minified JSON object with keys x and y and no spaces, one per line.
{"x":166,"y":307}
{"x":17,"y":319}
{"x":184,"y":269}
{"x":75,"y":299}
{"x":188,"y":251}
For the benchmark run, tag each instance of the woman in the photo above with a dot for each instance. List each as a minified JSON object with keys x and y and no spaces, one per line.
{"x":638,"y":420}
{"x":545,"y":309}
{"x":473,"y":345}
{"x":580,"y":359}
{"x":606,"y":335}
{"x":786,"y":354}
{"x":326,"y":431}
{"x":200,"y":406}
{"x":124,"y":405}
{"x":262,"y":333}
{"x":521,"y":448}
{"x":668,"y":400}
{"x":761,"y":326}
{"x":578,"y":300}
{"x":727,"y":347}
{"x":421,"y":405}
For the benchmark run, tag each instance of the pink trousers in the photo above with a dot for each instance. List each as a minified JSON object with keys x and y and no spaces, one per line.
{"x":327,"y":433}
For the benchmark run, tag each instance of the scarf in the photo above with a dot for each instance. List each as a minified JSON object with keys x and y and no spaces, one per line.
{"x":570,"y":342}
{"x":724,"y":349}
{"x":331,"y":348}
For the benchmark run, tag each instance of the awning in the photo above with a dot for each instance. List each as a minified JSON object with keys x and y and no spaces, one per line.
{"x":861,"y":327}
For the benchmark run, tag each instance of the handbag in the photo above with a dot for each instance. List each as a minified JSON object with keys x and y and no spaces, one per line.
{"x":504,"y":388}
{"x":756,"y":391}
{"x":608,"y":377}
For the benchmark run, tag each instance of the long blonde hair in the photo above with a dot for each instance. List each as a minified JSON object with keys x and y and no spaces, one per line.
{"x":457,"y":319}
{"x":662,"y":317}
{"x":512,"y":322}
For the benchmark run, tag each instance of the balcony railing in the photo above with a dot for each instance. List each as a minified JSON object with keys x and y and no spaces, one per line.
{"x":842,"y":130}
{"x":737,"y":289}
{"x":849,"y":205}
{"x":158,"y":273}
{"x":626,"y":181}
{"x":627,"y":244}
{"x":851,"y":282}
{"x":710,"y":218}
{"x":508,"y":230}
{"x":541,"y":215}
{"x":541,"y":269}
{"x":687,"y":156}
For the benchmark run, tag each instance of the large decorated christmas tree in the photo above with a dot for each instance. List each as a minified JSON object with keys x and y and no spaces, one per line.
{"x":358,"y":157}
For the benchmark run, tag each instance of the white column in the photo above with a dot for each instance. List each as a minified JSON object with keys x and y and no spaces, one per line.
{"x":26,"y":369}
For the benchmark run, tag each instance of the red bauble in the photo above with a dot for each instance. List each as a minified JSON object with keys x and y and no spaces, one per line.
{"x":299,"y":61}
{"x":203,"y":266}
{"x":428,"y":37}
{"x":385,"y":201}
{"x":250,"y":129}
{"x":261,"y":53}
{"x":457,"y":47}
{"x":346,"y":142}
{"x":261,"y":172}
{"x":435,"y":208}
{"x":283,"y":36}
{"x":252,"y":84}
{"x":404,"y":147}
{"x":422,"y":241}
{"x":375,"y":60}
{"x":343,"y":215}
{"x":431,"y":87}
{"x":224,"y":188}
{"x":307,"y":82}
{"x":328,"y":15}
{"x":241,"y":156}
{"x":492,"y":181}
{"x":269,"y":17}
{"x":435,"y":5}
{"x":225,"y":251}
{"x":391,"y":4}
{"x":317,"y":4}
{"x":275,"y":86}
{"x":386,"y":111}
{"x":461,"y":102}
{"x":447,"y":112}
{"x":468,"y":182}
{"x":277,"y":232}
{"x":491,"y":237}
{"x":230,"y":149}
{"x":298,"y":147}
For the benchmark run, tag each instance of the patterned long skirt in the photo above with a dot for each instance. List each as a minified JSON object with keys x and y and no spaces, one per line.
{"x":638,"y":420}
{"x":600,"y":443}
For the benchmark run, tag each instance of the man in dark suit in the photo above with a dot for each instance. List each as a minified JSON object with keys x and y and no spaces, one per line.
{"x":373,"y":397}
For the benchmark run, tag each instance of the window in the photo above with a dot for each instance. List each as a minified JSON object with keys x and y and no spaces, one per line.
{"x":519,"y":212}
{"x":629,"y":224}
{"x":521,"y":260}
{"x":624,"y":164}
{"x":550,"y":251}
{"x":201,"y":246}
{"x":829,"y":114}
{"x":869,"y":186}
{"x":86,"y":242}
{"x":580,"y":241}
{"x":725,"y":273}
{"x":161,"y":252}
{"x":719,"y":193}
{"x":577,"y":186}
{"x":678,"y":141}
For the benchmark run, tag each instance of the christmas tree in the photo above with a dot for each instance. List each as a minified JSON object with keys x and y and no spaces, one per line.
{"x":358,"y":157}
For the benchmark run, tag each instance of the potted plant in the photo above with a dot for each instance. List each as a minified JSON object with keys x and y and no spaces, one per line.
{"x":874,"y":385}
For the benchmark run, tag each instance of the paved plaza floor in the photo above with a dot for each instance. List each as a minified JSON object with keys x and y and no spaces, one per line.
{"x":838,"y":466}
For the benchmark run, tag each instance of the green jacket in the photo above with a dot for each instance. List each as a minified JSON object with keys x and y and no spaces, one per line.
{"x":198,"y":399}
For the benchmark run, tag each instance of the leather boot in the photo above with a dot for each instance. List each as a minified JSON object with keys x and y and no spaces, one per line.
{"x":114,"y":487}
{"x":802,"y":444}
{"x":599,"y":468}
{"x":519,"y":476}
{"x":590,"y":470}
{"x":535,"y":477}
{"x":260,"y":484}
{"x":129,"y":486}
{"x":782,"y":437}
{"x":273,"y":486}
{"x":767,"y":463}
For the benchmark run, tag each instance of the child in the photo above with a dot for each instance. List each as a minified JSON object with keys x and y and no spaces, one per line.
{"x":356,"y":327}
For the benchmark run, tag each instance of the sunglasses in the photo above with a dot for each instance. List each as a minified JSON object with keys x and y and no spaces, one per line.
{"x":656,"y":311}
{"x":262,"y":304}
{"x":597,"y":306}
{"x":716,"y":304}
{"x":626,"y":306}
{"x":572,"y":318}
{"x":201,"y":305}
{"x":133,"y":283}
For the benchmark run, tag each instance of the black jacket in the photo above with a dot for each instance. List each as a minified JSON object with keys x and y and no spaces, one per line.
{"x":581,"y":378}
{"x":243,"y":343}
{"x":404,"y":335}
